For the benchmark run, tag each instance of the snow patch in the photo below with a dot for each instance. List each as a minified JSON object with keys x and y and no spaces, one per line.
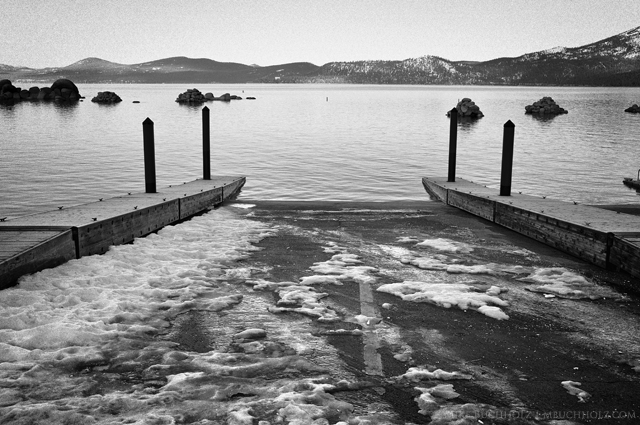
{"x":302,"y":298}
{"x":431,"y":398}
{"x":561,"y":282}
{"x":572,"y":388}
{"x":320,"y":280}
{"x":446,"y":245}
{"x":417,"y":374}
{"x":447,"y":295}
{"x":557,"y":49}
{"x":365,"y":321}
{"x":407,"y":239}
{"x":334,"y":248}
{"x":243,"y":206}
{"x":441,"y":264}
{"x":344,"y":268}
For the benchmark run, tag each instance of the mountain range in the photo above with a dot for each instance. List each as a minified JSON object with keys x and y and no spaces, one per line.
{"x":614,"y":61}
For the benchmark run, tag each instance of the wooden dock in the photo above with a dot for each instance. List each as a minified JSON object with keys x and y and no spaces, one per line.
{"x":31,"y":243}
{"x":609,"y":239}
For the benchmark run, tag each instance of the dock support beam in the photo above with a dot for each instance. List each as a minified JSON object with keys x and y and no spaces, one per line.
{"x":149,"y":156}
{"x":507,"y":159}
{"x":453,"y":144}
{"x":206,"y":144}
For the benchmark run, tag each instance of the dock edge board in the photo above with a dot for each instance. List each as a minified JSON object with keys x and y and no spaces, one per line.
{"x":49,"y":253}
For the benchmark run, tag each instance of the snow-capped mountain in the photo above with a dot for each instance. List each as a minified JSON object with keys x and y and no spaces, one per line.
{"x":612,"y":61}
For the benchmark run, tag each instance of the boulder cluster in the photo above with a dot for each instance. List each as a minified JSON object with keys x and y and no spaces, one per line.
{"x":192,"y":96}
{"x":227,"y":97}
{"x":635,"y":109}
{"x":195,"y":96}
{"x":546,"y":106}
{"x":467,"y":108}
{"x":106,"y":97}
{"x":61,"y":90}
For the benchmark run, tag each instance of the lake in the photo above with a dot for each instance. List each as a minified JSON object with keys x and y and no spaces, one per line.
{"x":318,"y":142}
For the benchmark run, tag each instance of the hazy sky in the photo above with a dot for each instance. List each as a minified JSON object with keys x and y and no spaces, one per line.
{"x":39,"y":33}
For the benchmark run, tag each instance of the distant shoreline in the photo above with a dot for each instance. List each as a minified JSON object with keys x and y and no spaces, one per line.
{"x":47,"y":81}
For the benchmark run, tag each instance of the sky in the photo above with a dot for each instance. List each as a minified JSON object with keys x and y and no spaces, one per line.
{"x":42,"y":33}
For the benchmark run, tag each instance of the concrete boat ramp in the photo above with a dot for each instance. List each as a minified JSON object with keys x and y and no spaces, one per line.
{"x":31,"y":243}
{"x":599,"y":235}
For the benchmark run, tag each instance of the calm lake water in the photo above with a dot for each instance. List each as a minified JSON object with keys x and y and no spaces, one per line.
{"x":318,"y":142}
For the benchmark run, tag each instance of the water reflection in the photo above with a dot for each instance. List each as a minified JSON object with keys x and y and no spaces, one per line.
{"x":107,"y":105}
{"x":65,"y":105}
{"x":630,"y":188}
{"x":543,"y":118}
{"x":467,"y":123}
{"x":65,"y":109}
{"x":8,"y":113}
{"x":7,"y":103}
{"x":194,"y":107}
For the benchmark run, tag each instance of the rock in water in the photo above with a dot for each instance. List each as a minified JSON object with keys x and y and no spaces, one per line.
{"x":106,"y":97}
{"x":191,"y":96}
{"x":545,"y":106}
{"x":64,"y":83}
{"x":634,"y":109}
{"x":467,"y":108}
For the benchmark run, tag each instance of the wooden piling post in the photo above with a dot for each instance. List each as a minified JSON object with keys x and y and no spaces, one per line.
{"x":453,"y":144}
{"x":507,"y":159}
{"x":206,"y":144}
{"x":149,"y":156}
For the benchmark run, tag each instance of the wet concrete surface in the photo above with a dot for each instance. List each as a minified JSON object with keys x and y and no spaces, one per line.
{"x":515,"y":367}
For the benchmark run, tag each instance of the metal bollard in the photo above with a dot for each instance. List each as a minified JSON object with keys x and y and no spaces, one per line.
{"x":206,"y":144}
{"x":453,"y":144}
{"x":149,"y":156}
{"x":507,"y":159}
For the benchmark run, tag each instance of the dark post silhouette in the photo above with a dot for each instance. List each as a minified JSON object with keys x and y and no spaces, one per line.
{"x":453,"y":144}
{"x":149,"y":156}
{"x":507,"y":159}
{"x":206,"y":144}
